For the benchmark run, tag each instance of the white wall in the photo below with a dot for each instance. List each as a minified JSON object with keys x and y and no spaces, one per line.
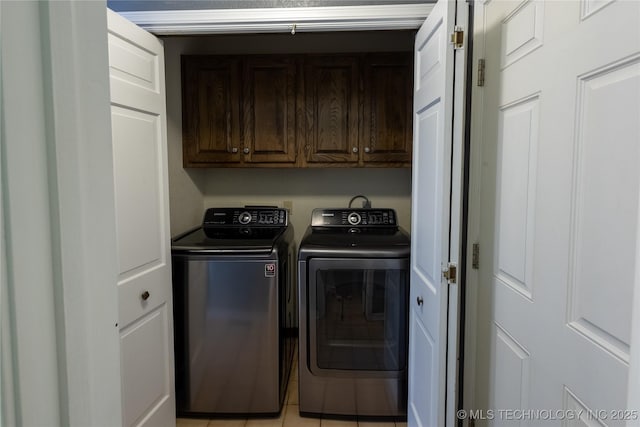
{"x":192,"y":190}
{"x":185,"y":193}
{"x":310,"y":188}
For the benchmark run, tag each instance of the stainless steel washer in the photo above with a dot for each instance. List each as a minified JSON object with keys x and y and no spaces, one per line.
{"x":232,"y":279}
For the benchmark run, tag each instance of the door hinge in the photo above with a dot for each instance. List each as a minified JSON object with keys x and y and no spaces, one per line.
{"x":457,"y":38}
{"x":481,"y":72}
{"x":475,"y":256}
{"x":450,"y":271}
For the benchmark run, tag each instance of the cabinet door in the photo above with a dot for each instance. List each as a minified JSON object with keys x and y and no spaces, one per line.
{"x":388,"y":83}
{"x":331,"y":107}
{"x":269,"y":119}
{"x":210,"y":110}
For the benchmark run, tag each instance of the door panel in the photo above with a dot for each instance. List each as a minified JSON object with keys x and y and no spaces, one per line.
{"x":421,"y":399}
{"x":138,"y":119}
{"x":518,"y":123}
{"x":511,"y":381}
{"x":136,"y":148}
{"x":145,"y":348}
{"x":560,"y":115}
{"x":431,"y":214}
{"x":597,"y":234}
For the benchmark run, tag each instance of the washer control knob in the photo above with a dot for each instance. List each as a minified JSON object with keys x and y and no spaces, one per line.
{"x":244,"y":218}
{"x":354,"y":218}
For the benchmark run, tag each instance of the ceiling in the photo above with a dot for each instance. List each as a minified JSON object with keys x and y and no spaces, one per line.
{"x":146,"y":5}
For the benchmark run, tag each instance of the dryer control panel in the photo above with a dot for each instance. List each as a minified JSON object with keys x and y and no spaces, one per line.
{"x":353,"y":218}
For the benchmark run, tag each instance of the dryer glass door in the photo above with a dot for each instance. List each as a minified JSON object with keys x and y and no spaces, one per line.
{"x":358,"y":315}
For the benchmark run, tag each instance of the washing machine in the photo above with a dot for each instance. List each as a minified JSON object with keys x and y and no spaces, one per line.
{"x":233,"y":280}
{"x":353,"y":287}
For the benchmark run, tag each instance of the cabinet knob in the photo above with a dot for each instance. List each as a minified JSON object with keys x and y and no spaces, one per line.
{"x":419,"y":300}
{"x":145,"y":295}
{"x":246,"y":150}
{"x":234,"y":150}
{"x":354,"y":149}
{"x":367,"y":149}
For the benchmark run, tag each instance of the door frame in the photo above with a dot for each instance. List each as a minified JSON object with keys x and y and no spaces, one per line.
{"x":61,"y":366}
{"x":80,"y":123}
{"x":459,"y":247}
{"x":281,"y":19}
{"x":474,"y":182}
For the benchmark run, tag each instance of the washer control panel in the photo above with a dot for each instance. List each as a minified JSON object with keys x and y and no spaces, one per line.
{"x":245,"y":217}
{"x":353,"y":218}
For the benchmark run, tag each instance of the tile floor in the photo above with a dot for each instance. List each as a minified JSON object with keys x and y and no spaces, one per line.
{"x":289,"y":416}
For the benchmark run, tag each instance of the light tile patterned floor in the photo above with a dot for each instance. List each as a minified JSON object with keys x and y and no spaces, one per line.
{"x":289,"y":417}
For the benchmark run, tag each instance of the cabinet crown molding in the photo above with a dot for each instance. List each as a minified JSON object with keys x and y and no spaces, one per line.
{"x":281,"y":20}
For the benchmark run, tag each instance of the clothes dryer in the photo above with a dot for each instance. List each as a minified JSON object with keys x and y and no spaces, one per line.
{"x":353,"y":286}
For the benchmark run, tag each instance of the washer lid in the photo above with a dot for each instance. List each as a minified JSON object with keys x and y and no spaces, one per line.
{"x":224,"y":240}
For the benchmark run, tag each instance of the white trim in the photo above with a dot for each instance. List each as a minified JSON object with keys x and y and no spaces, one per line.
{"x":7,"y":365}
{"x":29,"y":285}
{"x":456,"y":245}
{"x":281,"y":20}
{"x":633,"y":398}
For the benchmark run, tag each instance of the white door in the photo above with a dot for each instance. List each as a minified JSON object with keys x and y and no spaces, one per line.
{"x":435,"y":217}
{"x":560,"y":193}
{"x":138,"y":117}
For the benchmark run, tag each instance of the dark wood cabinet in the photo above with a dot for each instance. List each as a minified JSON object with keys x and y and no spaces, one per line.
{"x":269,"y":114}
{"x":388,"y":109}
{"x":333,"y":110}
{"x":238,"y":110}
{"x":359,"y":110}
{"x":210,"y":111}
